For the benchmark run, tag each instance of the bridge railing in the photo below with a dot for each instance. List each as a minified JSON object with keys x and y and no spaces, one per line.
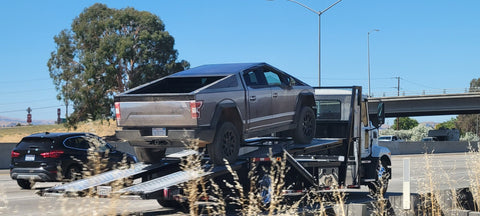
{"x":426,"y":92}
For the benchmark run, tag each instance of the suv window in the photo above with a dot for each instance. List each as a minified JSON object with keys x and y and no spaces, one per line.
{"x":34,"y":141}
{"x":79,"y":143}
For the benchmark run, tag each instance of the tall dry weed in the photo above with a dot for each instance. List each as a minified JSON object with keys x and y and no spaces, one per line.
{"x":473,"y":167}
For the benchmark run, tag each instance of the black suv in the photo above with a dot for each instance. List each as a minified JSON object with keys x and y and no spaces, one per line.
{"x":50,"y":157}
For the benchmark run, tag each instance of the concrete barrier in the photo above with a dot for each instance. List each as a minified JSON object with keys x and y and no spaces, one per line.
{"x":5,"y":154}
{"x":398,"y":148}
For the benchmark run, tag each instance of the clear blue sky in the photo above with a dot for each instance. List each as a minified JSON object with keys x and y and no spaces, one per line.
{"x":431,"y":44}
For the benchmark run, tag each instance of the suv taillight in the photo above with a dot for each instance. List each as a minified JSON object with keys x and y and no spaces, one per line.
{"x":117,"y":112}
{"x":15,"y":154}
{"x":195,"y":108}
{"x":52,"y":154}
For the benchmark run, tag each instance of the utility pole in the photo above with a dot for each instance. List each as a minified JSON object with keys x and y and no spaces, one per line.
{"x":398,"y":94}
{"x":319,"y":13}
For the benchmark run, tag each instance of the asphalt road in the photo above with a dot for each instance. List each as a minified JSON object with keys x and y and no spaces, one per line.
{"x":441,"y":171}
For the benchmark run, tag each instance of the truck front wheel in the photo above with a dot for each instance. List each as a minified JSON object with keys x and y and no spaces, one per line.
{"x":379,"y":187}
{"x":149,"y":155}
{"x":305,"y":131}
{"x":226,"y":144}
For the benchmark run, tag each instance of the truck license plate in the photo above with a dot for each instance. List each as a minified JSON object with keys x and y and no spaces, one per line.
{"x":29,"y":157}
{"x":159,"y":132}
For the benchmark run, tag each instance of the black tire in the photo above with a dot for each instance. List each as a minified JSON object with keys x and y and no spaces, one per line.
{"x":264,"y":186}
{"x":149,"y":155}
{"x":379,"y":187}
{"x":25,"y":184}
{"x":226,"y":144}
{"x":173,"y":205}
{"x":74,"y":172}
{"x":305,"y":131}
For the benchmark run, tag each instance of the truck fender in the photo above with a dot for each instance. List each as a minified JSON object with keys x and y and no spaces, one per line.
{"x":304,"y":99}
{"x":227,"y":110}
{"x":380,"y":151}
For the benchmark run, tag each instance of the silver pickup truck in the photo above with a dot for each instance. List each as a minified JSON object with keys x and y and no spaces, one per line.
{"x":215,"y":106}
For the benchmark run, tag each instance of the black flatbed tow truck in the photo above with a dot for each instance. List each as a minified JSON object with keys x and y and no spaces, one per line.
{"x":348,"y":161}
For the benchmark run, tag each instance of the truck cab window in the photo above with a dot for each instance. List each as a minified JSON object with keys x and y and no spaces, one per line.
{"x":272,"y":78}
{"x":329,"y":109}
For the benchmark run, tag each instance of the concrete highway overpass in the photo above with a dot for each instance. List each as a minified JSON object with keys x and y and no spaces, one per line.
{"x":427,"y":105}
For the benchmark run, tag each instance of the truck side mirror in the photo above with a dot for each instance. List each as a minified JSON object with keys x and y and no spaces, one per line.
{"x":381,"y":114}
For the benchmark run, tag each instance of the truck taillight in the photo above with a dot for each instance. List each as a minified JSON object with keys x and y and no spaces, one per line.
{"x":195,"y":108}
{"x":117,"y":111}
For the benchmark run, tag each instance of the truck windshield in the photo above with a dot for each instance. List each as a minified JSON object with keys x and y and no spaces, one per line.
{"x":177,"y":85}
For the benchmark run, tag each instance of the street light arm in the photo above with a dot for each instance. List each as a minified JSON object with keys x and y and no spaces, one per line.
{"x":329,"y":7}
{"x":314,"y":11}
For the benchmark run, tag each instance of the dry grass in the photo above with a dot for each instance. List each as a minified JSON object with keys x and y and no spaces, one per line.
{"x":474,"y":174}
{"x":15,"y":134}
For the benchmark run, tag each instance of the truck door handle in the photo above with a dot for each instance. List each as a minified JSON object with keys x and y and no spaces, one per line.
{"x":253,"y":98}
{"x":275,"y":95}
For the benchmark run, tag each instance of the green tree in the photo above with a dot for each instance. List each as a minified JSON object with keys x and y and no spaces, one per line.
{"x":450,"y":124}
{"x":108,"y":51}
{"x":405,"y":123}
{"x":470,"y":122}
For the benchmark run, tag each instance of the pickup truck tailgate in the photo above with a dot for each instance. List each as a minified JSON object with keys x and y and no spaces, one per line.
{"x":156,"y":113}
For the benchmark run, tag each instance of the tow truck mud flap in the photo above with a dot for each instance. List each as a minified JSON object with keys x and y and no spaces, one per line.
{"x":75,"y":187}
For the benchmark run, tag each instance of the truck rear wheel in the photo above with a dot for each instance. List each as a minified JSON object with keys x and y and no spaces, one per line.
{"x":149,"y":155}
{"x":226,"y":144}
{"x":305,"y":130}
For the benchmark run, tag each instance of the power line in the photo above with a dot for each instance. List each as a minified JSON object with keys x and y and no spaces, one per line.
{"x":23,"y":110}
{"x":23,"y":81}
{"x":26,"y":102}
{"x":418,"y":84}
{"x":27,"y":91}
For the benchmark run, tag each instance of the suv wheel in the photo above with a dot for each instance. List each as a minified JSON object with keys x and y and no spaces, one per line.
{"x":226,"y":144}
{"x":149,"y":155}
{"x":305,"y":130}
{"x":74,"y":172}
{"x":25,"y":184}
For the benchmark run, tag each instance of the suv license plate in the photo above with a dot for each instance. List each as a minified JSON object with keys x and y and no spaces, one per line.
{"x":159,"y":132}
{"x":29,"y":157}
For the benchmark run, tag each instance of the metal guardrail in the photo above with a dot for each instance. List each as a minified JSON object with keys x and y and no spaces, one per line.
{"x":427,"y":92}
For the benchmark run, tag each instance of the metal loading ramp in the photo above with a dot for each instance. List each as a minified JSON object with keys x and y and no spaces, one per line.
{"x":174,"y":179}
{"x":101,"y":179}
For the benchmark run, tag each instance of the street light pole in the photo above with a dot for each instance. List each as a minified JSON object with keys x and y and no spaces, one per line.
{"x":319,"y":13}
{"x":368,"y":60}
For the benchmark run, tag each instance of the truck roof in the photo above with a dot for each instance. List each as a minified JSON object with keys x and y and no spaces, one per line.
{"x":218,"y":69}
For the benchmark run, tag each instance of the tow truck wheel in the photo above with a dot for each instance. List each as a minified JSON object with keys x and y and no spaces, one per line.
{"x":149,"y":155}
{"x":226,"y":144}
{"x":173,"y":204}
{"x":380,"y":186}
{"x":265,"y":190}
{"x":305,"y":130}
